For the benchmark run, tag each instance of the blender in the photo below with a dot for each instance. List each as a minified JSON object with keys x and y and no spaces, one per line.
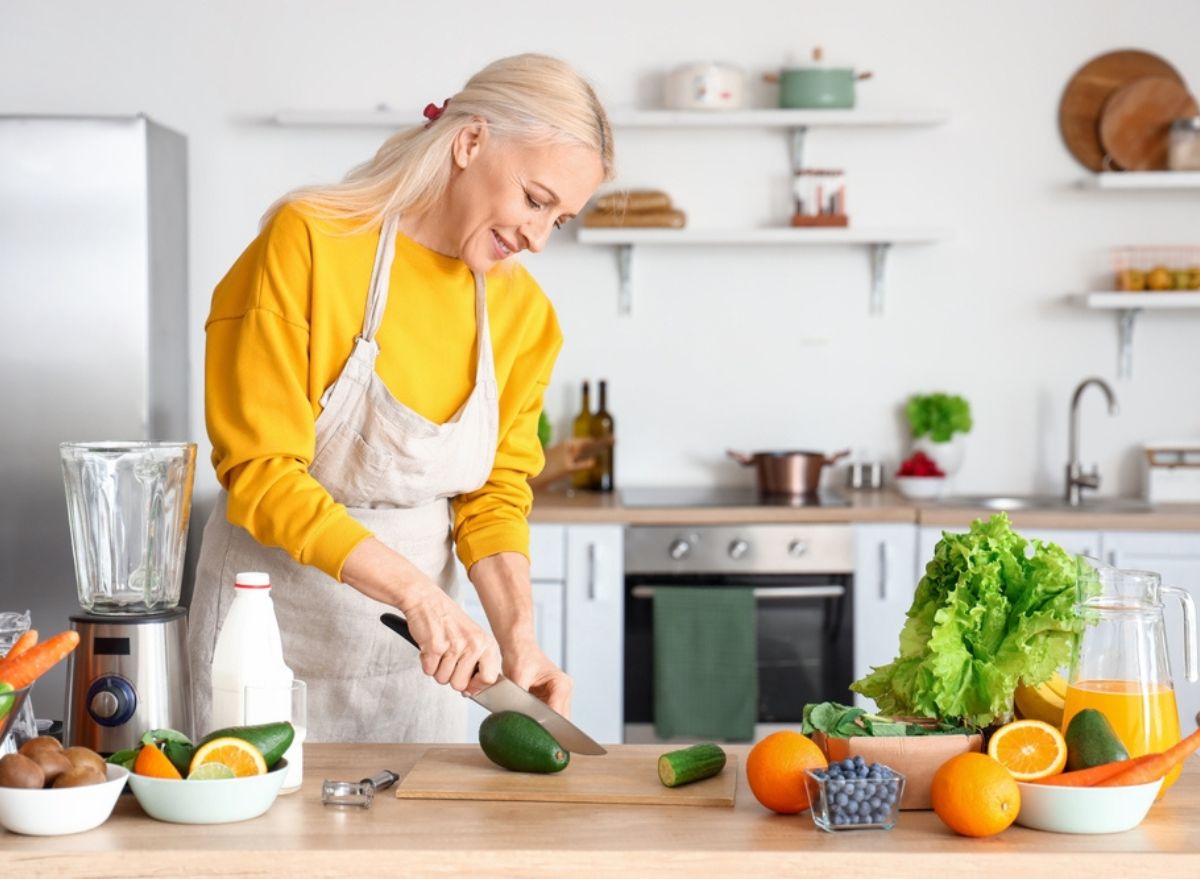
{"x":128,"y":505}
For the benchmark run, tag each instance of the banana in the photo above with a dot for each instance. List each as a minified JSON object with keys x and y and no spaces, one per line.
{"x":1040,"y":703}
{"x":1058,"y":685}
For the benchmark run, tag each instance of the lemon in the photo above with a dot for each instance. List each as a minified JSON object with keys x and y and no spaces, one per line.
{"x":210,"y":772}
{"x":238,"y":755}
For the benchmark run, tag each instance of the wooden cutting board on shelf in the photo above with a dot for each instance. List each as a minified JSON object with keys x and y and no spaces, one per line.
{"x":1085,"y":94}
{"x":1135,"y":126}
{"x":628,"y":775}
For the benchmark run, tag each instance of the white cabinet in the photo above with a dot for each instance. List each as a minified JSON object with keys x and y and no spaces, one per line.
{"x":595,"y":627}
{"x":1175,"y":556}
{"x":885,"y":577}
{"x":578,"y":614}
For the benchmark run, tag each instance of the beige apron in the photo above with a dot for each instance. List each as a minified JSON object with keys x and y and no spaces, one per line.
{"x":395,"y":471}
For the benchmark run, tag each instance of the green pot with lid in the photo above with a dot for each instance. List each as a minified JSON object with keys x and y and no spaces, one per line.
{"x":818,"y":86}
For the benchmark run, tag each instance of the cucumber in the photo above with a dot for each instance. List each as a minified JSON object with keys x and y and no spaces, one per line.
{"x":1091,"y":741}
{"x":270,"y":738}
{"x":690,"y":764}
{"x":521,"y":744}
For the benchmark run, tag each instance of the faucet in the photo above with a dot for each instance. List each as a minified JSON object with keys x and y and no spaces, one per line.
{"x":1077,"y":479}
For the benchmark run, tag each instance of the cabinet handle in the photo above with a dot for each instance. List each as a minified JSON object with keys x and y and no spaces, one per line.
{"x":1112,"y":557}
{"x":593,"y":580}
{"x":883,"y":570}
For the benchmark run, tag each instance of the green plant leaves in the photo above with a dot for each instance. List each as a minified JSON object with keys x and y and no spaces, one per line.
{"x":938,"y":416}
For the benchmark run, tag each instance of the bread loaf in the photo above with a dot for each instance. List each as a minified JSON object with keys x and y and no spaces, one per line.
{"x":634,"y":200}
{"x":668,"y":219}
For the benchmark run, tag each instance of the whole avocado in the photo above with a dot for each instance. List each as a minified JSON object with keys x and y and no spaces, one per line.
{"x":1091,"y":741}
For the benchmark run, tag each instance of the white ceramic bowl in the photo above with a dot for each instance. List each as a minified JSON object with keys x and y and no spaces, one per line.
{"x":921,"y":487}
{"x":1085,"y":809}
{"x":219,"y":801}
{"x":56,"y":811}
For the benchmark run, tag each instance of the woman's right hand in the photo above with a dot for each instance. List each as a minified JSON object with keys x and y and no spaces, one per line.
{"x":452,"y":644}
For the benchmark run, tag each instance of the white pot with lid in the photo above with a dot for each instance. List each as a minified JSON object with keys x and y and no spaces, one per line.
{"x":706,"y":85}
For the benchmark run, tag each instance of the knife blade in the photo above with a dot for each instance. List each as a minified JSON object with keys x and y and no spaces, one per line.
{"x":504,"y":695}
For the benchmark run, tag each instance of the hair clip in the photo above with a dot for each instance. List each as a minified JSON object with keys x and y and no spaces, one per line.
{"x":432,"y":112}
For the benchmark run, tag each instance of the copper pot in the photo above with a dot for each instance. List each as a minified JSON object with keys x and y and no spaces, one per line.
{"x":788,"y":473}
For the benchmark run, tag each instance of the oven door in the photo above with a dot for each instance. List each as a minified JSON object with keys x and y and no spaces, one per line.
{"x":805,"y":643}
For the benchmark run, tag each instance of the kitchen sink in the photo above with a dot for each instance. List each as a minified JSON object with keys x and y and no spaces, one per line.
{"x":1047,"y":502}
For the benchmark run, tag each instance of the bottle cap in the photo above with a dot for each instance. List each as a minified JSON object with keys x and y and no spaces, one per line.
{"x":252,"y":580}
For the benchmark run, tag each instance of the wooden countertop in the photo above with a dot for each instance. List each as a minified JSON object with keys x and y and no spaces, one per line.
{"x":300,"y":837}
{"x":581,"y":507}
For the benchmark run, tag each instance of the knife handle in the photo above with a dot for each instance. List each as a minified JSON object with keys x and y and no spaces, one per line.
{"x":399,"y":625}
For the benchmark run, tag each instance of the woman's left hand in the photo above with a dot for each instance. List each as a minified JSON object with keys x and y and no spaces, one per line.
{"x":528,"y":667}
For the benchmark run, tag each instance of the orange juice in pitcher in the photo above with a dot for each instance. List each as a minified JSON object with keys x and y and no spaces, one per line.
{"x":1146,"y":721}
{"x":1120,"y":666}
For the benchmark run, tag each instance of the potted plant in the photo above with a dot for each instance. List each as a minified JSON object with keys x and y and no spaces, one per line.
{"x":938,"y":422}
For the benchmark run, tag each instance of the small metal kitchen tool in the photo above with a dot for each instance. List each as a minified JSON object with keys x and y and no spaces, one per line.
{"x":866,"y":475}
{"x":356,"y":793}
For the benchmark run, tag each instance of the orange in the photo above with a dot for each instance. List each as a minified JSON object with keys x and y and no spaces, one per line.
{"x":775,"y":770}
{"x":239,"y":755}
{"x":1029,"y":749}
{"x":974,"y":795}
{"x":154,"y":763}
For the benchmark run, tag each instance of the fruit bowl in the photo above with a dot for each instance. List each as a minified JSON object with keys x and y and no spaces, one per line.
{"x":213,"y":801}
{"x":1085,"y":809}
{"x":58,"y":811}
{"x":854,"y":803}
{"x":921,"y":487}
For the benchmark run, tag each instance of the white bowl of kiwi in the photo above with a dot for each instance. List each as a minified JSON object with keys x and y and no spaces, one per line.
{"x":46,"y":790}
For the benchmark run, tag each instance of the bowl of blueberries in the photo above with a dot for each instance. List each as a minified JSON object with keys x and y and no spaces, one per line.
{"x":854,"y":795}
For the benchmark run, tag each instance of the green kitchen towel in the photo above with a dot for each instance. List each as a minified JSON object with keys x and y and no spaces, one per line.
{"x":705,"y":663}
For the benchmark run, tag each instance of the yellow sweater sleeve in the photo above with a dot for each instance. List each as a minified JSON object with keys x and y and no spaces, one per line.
{"x":258,"y":401}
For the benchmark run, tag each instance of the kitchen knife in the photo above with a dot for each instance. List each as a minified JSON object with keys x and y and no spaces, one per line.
{"x":504,"y":695}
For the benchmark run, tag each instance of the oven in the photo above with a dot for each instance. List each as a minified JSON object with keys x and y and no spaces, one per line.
{"x":802,"y":578}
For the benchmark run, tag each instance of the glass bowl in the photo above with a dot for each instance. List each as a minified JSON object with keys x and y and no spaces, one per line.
{"x":11,"y":702}
{"x":854,"y":795}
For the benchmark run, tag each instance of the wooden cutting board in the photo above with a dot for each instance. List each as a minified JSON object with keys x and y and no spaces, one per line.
{"x":1084,"y":97}
{"x":629,"y":776}
{"x":1135,"y":126}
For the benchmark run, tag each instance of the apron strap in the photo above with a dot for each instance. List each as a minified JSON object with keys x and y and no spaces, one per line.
{"x":485,"y":365}
{"x":381,"y":276}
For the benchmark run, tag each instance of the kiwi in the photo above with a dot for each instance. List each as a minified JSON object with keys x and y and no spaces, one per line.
{"x":53,"y":763}
{"x":17,"y":770}
{"x":39,"y":743}
{"x":78,"y":776}
{"x":81,"y":756}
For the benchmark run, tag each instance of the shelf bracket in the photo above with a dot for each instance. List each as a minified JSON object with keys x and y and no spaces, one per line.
{"x":625,"y":274}
{"x":797,"y":148}
{"x":879,"y":255}
{"x":1125,"y":321}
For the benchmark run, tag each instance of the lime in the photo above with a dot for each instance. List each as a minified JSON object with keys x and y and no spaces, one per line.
{"x":6,"y":700}
{"x":210,"y":772}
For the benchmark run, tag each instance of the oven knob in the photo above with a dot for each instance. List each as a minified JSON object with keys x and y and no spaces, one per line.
{"x":738,"y":549}
{"x":797,"y":548}
{"x":679,"y":549}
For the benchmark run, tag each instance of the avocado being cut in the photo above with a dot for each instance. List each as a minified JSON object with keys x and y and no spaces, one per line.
{"x":521,"y":744}
{"x":1091,"y":741}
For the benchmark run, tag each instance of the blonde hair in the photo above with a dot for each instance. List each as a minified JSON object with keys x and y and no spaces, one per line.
{"x":532,"y":98}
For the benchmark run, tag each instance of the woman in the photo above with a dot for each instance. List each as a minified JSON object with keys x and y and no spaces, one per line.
{"x":375,"y":367}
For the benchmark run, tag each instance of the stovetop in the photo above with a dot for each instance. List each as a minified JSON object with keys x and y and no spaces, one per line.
{"x":722,"y":496}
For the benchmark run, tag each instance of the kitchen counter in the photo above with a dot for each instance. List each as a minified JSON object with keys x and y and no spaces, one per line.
{"x":580,"y":507}
{"x":396,"y":837}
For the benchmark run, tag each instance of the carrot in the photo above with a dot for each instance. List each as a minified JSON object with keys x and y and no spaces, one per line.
{"x":1153,"y":770}
{"x":1094,"y":774}
{"x":28,"y":638}
{"x":37,"y":660}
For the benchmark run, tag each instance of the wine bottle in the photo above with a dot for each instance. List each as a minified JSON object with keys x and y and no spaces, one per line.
{"x":582,"y":427}
{"x":603,"y":428}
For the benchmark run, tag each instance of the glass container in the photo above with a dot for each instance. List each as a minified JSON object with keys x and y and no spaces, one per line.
{"x":1183,"y":145}
{"x":860,"y":799}
{"x":128,"y":505}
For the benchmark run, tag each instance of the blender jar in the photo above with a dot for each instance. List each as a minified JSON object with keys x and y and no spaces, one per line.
{"x":128,"y":505}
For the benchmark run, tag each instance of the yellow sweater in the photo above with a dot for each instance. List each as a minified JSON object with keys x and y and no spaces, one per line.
{"x":282,"y":326}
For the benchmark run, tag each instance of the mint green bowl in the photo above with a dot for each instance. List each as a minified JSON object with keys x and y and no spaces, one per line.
{"x":219,"y":801}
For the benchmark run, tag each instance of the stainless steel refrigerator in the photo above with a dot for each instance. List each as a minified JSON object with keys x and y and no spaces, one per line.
{"x":93,"y":330}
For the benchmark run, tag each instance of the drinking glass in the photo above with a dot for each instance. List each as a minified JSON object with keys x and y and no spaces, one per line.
{"x":275,"y":703}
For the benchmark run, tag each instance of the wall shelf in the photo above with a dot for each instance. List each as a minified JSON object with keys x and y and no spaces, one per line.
{"x":380,"y":117}
{"x":772,"y":118}
{"x":1128,"y":306}
{"x":878,"y":239}
{"x":1143,"y":180}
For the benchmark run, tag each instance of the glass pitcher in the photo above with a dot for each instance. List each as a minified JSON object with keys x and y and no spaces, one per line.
{"x":1120,"y":664}
{"x":128,"y":505}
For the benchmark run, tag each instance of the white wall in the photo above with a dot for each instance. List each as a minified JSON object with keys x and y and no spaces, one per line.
{"x":728,"y":347}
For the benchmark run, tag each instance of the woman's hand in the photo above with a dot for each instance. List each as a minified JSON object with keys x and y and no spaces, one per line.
{"x":527,"y":666}
{"x":451,"y":643}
